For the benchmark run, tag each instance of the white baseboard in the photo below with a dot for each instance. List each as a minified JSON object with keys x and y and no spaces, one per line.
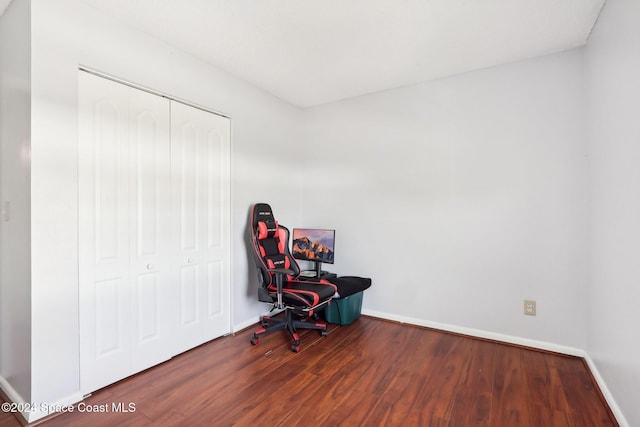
{"x":252,"y":322}
{"x":542,"y":345}
{"x":33,"y":411}
{"x":606,"y":392}
{"x":55,"y":407}
{"x":243,"y":325}
{"x":13,"y":395}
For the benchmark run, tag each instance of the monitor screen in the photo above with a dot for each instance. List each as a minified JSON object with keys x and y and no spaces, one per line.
{"x":313,"y":244}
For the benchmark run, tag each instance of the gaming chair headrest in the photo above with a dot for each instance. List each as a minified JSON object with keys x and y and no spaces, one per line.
{"x":261,"y":213}
{"x":264,"y":224}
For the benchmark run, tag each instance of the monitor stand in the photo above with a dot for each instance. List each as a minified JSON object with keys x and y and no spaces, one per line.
{"x":318,"y":268}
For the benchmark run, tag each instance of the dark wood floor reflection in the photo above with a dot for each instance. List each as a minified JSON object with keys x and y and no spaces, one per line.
{"x":369,"y":373}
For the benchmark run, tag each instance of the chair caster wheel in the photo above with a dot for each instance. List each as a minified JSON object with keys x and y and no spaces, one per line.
{"x":254,"y":340}
{"x":295,"y":348}
{"x":324,"y":333}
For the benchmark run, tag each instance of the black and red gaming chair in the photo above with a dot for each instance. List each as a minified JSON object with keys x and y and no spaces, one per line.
{"x":280,"y":285}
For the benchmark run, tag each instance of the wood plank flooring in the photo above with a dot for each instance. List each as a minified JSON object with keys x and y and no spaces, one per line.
{"x":370,"y":373}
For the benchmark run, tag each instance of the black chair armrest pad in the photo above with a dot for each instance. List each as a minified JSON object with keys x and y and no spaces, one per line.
{"x":280,"y":271}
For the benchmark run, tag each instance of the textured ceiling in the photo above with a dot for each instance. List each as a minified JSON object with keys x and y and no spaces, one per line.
{"x":310,"y":52}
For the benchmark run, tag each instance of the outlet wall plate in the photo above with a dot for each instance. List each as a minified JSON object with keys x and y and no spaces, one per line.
{"x":529,"y":307}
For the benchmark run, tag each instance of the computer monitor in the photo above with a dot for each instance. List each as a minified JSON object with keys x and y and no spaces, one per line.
{"x":314,"y":244}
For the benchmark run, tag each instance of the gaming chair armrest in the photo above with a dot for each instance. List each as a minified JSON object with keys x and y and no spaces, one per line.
{"x":280,"y":271}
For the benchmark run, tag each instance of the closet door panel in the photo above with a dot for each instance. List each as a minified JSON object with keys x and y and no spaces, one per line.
{"x":148,"y":296}
{"x":189,"y":297}
{"x":200,"y":144}
{"x":150,"y":217}
{"x":185,"y":142}
{"x":185,"y":171}
{"x":213,"y":157}
{"x":110,"y":310}
{"x":216,"y":222}
{"x":104,"y":279}
{"x":215,"y":289}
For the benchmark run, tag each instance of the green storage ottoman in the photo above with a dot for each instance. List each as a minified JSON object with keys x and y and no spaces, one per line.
{"x":344,"y":311}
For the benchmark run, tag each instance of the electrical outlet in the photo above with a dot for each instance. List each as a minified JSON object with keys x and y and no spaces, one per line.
{"x":529,"y":307}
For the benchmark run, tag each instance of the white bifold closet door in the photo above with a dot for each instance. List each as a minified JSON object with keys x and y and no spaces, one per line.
{"x":153,"y":229}
{"x":200,"y":170}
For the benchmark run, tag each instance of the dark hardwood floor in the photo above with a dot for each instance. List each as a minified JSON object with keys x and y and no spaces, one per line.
{"x":369,"y":373}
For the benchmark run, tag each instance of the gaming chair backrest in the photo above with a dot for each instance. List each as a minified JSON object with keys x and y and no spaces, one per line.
{"x":270,"y":243}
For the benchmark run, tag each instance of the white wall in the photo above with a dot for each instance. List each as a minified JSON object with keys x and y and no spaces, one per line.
{"x":613,"y":70}
{"x":462,"y":197}
{"x":15,"y":234}
{"x":265,"y":133}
